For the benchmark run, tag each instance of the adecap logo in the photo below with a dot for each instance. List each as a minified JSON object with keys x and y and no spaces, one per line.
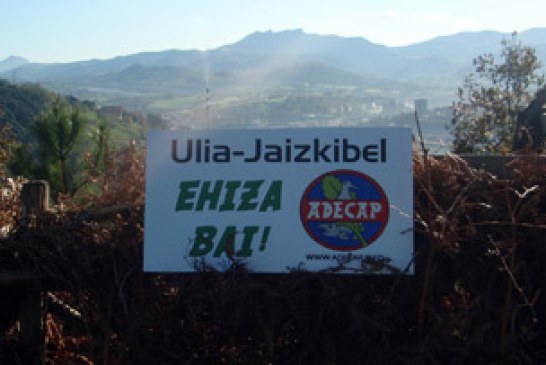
{"x":344,"y":210}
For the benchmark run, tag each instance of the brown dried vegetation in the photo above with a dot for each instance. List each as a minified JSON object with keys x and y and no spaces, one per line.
{"x":477,"y":295}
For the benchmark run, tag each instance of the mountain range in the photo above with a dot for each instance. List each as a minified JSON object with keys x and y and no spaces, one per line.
{"x":269,"y":62}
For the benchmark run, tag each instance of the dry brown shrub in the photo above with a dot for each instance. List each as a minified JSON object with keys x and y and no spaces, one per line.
{"x":10,"y":188}
{"x":123,"y":181}
{"x":119,"y":181}
{"x":477,"y":295}
{"x":10,"y":207}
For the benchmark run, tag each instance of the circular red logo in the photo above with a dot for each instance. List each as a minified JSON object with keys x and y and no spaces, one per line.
{"x":344,"y":210}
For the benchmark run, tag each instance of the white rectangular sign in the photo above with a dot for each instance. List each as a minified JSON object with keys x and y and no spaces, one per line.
{"x":338,"y":199}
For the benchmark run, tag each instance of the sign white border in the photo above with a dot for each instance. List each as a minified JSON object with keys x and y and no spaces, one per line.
{"x":183,"y":164}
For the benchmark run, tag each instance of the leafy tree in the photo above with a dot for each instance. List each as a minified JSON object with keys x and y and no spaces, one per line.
{"x":100,"y":138}
{"x":56,"y":134}
{"x":99,"y":160}
{"x":484,"y":117}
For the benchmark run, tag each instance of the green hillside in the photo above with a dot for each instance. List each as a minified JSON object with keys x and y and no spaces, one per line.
{"x":21,"y":104}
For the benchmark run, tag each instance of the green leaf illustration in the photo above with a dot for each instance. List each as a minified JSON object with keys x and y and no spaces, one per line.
{"x":357,"y":229}
{"x":331,"y":187}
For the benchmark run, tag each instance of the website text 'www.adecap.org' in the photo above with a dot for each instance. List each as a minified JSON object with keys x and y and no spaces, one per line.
{"x":333,"y":257}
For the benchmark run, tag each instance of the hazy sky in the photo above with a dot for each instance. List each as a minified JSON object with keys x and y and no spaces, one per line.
{"x":71,"y":30}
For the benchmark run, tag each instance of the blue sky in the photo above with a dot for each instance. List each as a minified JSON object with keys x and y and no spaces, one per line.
{"x":71,"y":30}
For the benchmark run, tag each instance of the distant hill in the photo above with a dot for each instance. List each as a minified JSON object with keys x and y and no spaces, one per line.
{"x":459,"y":48}
{"x":12,"y":62}
{"x":265,"y":61}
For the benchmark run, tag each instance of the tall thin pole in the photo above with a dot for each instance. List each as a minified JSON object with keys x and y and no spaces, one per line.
{"x":209,"y":120}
